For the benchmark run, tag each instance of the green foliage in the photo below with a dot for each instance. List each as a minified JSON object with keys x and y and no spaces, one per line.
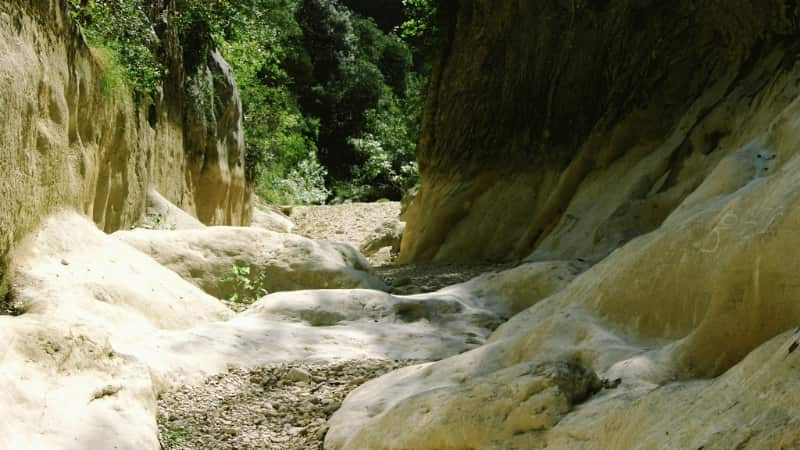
{"x":303,"y":184}
{"x":281,"y":151}
{"x":341,"y":69}
{"x":202,"y":24}
{"x":421,"y":27}
{"x":388,"y":14}
{"x":330,"y":98}
{"x":388,"y":149}
{"x":114,"y":72}
{"x":158,"y":222}
{"x":247,"y":288}
{"x":421,"y":18}
{"x":123,"y":29}
{"x":396,"y":63}
{"x":386,"y":52}
{"x":177,"y":435}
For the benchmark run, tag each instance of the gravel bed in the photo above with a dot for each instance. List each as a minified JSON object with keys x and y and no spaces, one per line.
{"x":282,"y":407}
{"x":286,"y":407}
{"x":353,"y":222}
{"x":350,"y":223}
{"x":418,"y":278}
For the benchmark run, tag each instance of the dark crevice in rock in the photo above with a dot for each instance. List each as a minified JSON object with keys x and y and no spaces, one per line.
{"x":8,"y":306}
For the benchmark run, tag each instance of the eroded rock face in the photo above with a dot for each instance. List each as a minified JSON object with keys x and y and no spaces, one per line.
{"x":69,"y":383}
{"x":685,"y":317}
{"x":66,"y":143}
{"x":659,"y":143}
{"x":680,"y":185}
{"x":527,"y":398}
{"x":568,"y":128}
{"x":104,"y":328}
{"x":214,"y":141}
{"x":271,"y":218}
{"x":389,"y":234}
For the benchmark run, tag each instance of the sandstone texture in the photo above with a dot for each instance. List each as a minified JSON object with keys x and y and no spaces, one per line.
{"x":70,"y":385}
{"x":271,"y":218}
{"x":636,"y":163}
{"x":656,"y":144}
{"x":389,"y":234}
{"x":566,"y":129}
{"x":68,"y":143}
{"x":695,"y":321}
{"x":102,"y":328}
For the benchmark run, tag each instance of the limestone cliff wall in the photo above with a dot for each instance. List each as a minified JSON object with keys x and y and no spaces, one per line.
{"x":659,"y":141}
{"x":564,"y":129}
{"x":67,"y":143}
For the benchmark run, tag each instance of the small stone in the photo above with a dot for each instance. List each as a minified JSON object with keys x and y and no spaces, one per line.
{"x":332,"y":407}
{"x":298,"y":375}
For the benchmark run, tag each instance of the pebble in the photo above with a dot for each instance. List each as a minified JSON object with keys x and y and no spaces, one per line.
{"x":274,"y":407}
{"x":298,"y":375}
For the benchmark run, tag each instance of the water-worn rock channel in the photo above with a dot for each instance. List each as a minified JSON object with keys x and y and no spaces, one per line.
{"x":286,"y":406}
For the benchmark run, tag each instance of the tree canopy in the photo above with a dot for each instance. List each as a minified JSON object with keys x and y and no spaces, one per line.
{"x":331,"y":92}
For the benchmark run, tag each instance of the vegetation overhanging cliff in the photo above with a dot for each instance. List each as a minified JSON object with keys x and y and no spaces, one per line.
{"x":72,"y":139}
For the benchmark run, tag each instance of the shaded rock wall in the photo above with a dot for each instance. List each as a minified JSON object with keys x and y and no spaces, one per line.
{"x":566,"y":128}
{"x":681,"y":186}
{"x":65,"y":142}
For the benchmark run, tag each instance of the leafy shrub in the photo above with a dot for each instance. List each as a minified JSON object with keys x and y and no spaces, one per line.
{"x":304,"y":184}
{"x":340,"y":68}
{"x":114,"y":74}
{"x":329,"y":98}
{"x":421,"y":26}
{"x":158,"y":222}
{"x":388,"y":147}
{"x":124,"y":30}
{"x":247,"y":288}
{"x":395,"y":63}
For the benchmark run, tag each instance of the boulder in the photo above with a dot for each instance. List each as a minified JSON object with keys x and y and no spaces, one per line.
{"x":526,"y":398}
{"x":388,"y":234}
{"x":273,"y":261}
{"x":63,"y":378}
{"x":271,"y":219}
{"x":161,"y":214}
{"x":72,"y":143}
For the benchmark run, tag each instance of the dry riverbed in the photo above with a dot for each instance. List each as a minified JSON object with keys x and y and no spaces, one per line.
{"x":287,"y":406}
{"x":281,"y":407}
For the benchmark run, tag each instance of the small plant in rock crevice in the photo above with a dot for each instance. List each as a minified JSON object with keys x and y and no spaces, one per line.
{"x":247,"y":288}
{"x":158,"y":221}
{"x":176,"y":436}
